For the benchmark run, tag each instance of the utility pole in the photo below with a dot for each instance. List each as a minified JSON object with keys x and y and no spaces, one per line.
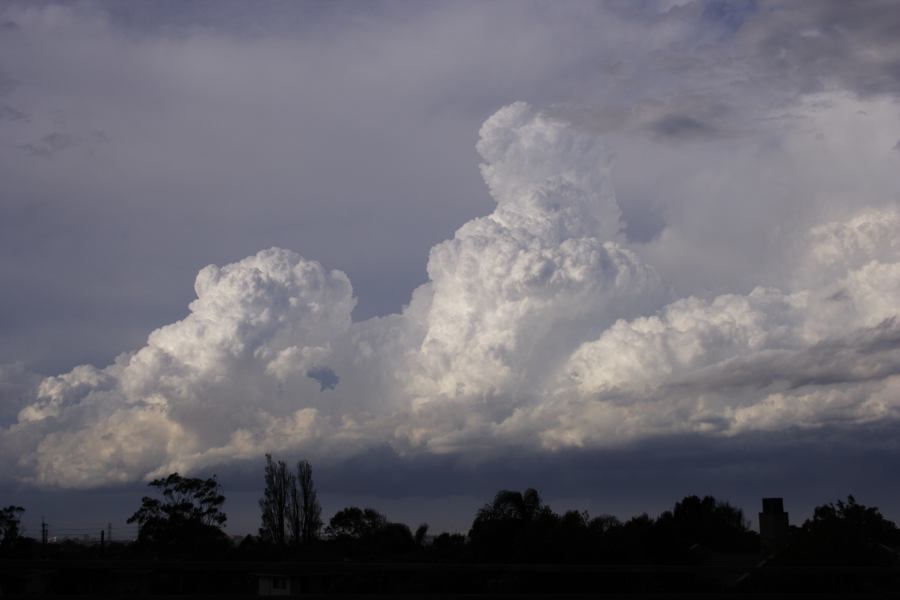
{"x":43,"y":531}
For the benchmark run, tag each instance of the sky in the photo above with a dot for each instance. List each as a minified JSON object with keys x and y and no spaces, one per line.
{"x":618,"y":251}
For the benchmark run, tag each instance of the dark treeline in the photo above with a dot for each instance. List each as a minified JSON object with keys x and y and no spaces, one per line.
{"x":184,"y":517}
{"x":516,"y":544}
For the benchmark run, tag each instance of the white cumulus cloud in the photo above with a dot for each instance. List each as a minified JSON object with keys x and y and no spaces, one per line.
{"x":539,"y":328}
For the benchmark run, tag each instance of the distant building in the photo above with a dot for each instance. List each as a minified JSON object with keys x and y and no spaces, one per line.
{"x":773,"y":524}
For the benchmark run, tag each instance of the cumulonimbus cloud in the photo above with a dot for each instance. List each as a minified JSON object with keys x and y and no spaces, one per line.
{"x":539,"y":328}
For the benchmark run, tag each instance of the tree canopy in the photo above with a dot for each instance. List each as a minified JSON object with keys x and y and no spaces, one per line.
{"x":356,"y":523}
{"x":845,"y":532}
{"x":188,"y":511}
{"x":712,"y":523}
{"x":10,"y":525}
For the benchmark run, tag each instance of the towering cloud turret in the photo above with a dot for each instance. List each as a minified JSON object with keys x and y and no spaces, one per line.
{"x":514,"y":290}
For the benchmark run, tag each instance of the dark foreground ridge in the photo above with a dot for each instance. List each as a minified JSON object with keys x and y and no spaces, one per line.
{"x":517,"y":546}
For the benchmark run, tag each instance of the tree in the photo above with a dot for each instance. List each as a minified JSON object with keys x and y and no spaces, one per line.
{"x":604,"y":524}
{"x":509,"y":505}
{"x":365,"y":531}
{"x":188,"y":513}
{"x":310,"y":510}
{"x":275,"y":503}
{"x":356,"y":523}
{"x":449,"y":543}
{"x":845,"y":532}
{"x":294,"y":512}
{"x":290,"y":507}
{"x":10,"y":525}
{"x":515,"y":525}
{"x":851,"y":520}
{"x":713,"y":523}
{"x":421,"y":534}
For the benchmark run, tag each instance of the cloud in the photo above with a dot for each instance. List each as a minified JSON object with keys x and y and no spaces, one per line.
{"x":539,"y":272}
{"x":828,"y":43}
{"x":854,"y":242}
{"x":256,"y":326}
{"x":387,"y":93}
{"x":539,"y":330}
{"x":740,"y":280}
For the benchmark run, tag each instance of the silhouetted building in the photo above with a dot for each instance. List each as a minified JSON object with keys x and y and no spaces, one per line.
{"x":773,"y":523}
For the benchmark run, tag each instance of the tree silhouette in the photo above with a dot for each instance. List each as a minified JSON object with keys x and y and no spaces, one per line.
{"x":393,"y":538}
{"x":10,"y":525}
{"x":188,"y":513}
{"x":421,"y":533}
{"x":449,"y":545}
{"x":513,"y":526}
{"x":290,"y":507}
{"x":845,"y":533}
{"x":276,"y":506}
{"x":604,"y":524}
{"x":706,"y":521}
{"x":852,"y":521}
{"x":366,"y":531}
{"x":356,"y":523}
{"x":310,"y":512}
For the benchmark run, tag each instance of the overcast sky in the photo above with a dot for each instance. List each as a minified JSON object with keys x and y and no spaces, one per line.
{"x":620,"y":251}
